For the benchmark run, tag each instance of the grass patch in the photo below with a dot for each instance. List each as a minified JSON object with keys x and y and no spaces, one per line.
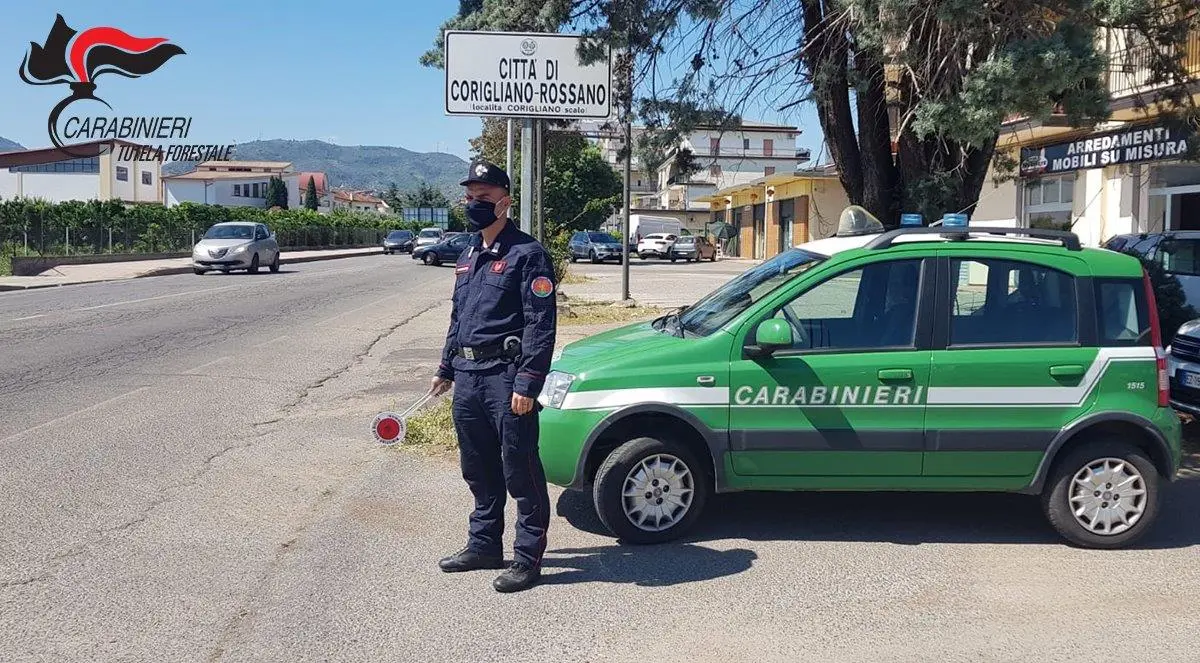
{"x":599,"y":313}
{"x":432,"y":429}
{"x":575,"y":279}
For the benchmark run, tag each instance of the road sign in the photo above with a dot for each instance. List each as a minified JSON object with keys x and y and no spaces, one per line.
{"x":910,"y":219}
{"x":389,"y":428}
{"x":524,"y":74}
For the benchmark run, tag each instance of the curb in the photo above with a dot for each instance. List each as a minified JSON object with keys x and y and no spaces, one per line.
{"x":169,"y":271}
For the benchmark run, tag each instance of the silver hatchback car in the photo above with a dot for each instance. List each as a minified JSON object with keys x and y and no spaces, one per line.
{"x":236,"y":245}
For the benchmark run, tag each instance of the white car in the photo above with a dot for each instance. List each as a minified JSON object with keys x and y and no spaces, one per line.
{"x":429,"y":237}
{"x":656,"y":244}
{"x":236,"y":245}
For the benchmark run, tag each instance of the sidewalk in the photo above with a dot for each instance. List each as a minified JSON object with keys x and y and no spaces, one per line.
{"x":117,"y":271}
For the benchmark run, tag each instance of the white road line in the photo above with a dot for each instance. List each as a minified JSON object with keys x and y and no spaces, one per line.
{"x":270,"y":342}
{"x":215,"y":361}
{"x":68,"y":416}
{"x":30,"y":317}
{"x":149,"y":299}
{"x":355,"y":310}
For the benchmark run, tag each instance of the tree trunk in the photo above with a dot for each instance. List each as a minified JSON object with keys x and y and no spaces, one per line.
{"x":880,"y":195}
{"x":826,"y":56}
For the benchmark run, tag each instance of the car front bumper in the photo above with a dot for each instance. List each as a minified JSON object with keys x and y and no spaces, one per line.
{"x":1183,"y":397}
{"x":239,"y":261}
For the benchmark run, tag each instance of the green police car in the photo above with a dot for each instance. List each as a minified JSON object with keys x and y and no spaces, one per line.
{"x":922,"y":359}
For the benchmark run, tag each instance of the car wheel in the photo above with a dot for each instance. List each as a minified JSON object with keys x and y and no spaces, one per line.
{"x":199,"y":272}
{"x":253,"y":268}
{"x":592,"y":256}
{"x":1104,"y":494}
{"x":275,"y":264}
{"x":641,"y":256}
{"x":714,"y":257}
{"x":574,"y":258}
{"x":427,"y":259}
{"x":673,"y":258}
{"x":650,"y":490}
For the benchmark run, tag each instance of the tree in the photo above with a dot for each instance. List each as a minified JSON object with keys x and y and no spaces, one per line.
{"x":310,"y":195}
{"x":581,"y":188}
{"x":426,"y":195}
{"x":277,"y":194}
{"x":392,"y":197}
{"x":910,"y":94}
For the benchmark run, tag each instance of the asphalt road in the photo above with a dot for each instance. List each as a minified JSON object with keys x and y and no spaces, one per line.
{"x":188,"y":476}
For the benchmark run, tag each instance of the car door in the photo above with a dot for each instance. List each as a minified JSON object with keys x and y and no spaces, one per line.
{"x":847,"y":399}
{"x":1010,"y":367}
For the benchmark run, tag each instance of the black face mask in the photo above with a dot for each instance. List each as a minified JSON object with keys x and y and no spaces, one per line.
{"x":481,"y":214}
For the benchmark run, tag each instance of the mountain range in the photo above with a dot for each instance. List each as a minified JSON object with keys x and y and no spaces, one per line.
{"x":367,"y":167}
{"x":7,"y":145}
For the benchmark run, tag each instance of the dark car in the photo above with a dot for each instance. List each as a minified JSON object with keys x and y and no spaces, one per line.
{"x":399,"y":241}
{"x":1178,"y":251}
{"x":446,"y":250}
{"x":595,"y":246}
{"x":693,"y":247}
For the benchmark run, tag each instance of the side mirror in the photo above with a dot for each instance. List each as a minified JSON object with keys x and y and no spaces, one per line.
{"x":770,"y":335}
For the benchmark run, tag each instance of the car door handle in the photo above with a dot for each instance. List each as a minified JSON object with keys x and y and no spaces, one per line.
{"x":1067,"y":371}
{"x":706,"y":380}
{"x":895,"y":374}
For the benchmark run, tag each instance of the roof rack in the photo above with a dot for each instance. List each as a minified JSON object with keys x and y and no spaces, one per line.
{"x":1069,"y":240}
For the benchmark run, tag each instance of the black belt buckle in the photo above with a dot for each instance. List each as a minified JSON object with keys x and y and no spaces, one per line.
{"x":512,"y":347}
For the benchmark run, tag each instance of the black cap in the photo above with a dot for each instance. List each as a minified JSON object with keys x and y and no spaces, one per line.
{"x":486,"y":172}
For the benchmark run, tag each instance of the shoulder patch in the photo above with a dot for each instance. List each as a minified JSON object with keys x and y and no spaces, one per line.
{"x":542,"y":286}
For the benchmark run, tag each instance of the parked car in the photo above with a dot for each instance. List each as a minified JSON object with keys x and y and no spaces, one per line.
{"x":446,"y":250}
{"x":1183,"y":368}
{"x":399,"y":241}
{"x":429,"y":236}
{"x":595,"y":246}
{"x":919,"y":360}
{"x":657,"y":245}
{"x":693,"y":247}
{"x":236,"y":245}
{"x":1178,"y":251}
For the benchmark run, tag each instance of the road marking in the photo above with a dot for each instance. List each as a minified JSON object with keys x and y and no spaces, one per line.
{"x":355,"y":310}
{"x":215,"y":361}
{"x":30,"y":317}
{"x":149,"y":299}
{"x":270,"y":342}
{"x":68,"y":416}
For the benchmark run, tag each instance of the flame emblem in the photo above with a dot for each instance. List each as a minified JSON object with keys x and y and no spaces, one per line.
{"x":78,"y":58}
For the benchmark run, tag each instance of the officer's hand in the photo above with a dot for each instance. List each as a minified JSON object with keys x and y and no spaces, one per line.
{"x":521,"y":405}
{"x":440,"y":385}
{"x":502,"y":207}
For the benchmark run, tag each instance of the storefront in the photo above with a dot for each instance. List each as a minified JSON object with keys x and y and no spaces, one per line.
{"x":1134,"y":179}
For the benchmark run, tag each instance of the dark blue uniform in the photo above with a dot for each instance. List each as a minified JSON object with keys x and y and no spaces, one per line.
{"x":506,"y":291}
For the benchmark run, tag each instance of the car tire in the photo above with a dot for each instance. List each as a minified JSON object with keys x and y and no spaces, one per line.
{"x":593,"y":258}
{"x":624,"y":465}
{"x":574,"y":258}
{"x":199,"y":272}
{"x":673,"y":258}
{"x":713,"y":258}
{"x":253,"y":268}
{"x":275,"y":264}
{"x":1114,"y":455}
{"x":427,"y":258}
{"x":641,"y":256}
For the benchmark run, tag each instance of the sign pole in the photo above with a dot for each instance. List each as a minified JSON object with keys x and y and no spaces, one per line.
{"x":627,"y":84}
{"x":508,"y":149}
{"x":539,"y":164}
{"x":527,"y":176}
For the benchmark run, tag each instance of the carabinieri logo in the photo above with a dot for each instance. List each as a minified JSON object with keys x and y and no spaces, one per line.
{"x":78,"y":58}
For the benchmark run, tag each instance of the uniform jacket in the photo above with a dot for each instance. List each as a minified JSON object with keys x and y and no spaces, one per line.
{"x":505,"y":290}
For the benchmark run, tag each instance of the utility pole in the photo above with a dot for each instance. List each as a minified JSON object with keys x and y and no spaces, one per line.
{"x":540,"y":165}
{"x":627,"y":102}
{"x":527,"y":158}
{"x":508,"y":149}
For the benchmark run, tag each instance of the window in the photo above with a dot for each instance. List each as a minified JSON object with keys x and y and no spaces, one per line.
{"x":1000,"y":302}
{"x":237,"y":190}
{"x":769,"y":170}
{"x":1180,"y":256}
{"x":263,"y":190}
{"x":768,"y":147}
{"x":81,"y":165}
{"x":732,"y":299}
{"x":1049,"y":201}
{"x":1122,"y":312}
{"x":714,"y":146}
{"x":254,"y":189}
{"x":715,"y":170}
{"x":745,"y":143}
{"x":260,"y":233}
{"x":873,"y":307}
{"x":147,"y":178}
{"x":122,"y":174}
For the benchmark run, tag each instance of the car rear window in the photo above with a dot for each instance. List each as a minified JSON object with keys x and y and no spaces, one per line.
{"x":1123,"y":315}
{"x":1180,"y":256}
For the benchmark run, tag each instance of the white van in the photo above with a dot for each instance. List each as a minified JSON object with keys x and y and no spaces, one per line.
{"x":641,"y":225}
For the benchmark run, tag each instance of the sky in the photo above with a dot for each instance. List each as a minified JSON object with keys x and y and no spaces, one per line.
{"x":345,"y":72}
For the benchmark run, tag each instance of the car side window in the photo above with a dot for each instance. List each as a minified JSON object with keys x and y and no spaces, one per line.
{"x":1002,"y":302}
{"x":1180,"y":256}
{"x":868,"y":308}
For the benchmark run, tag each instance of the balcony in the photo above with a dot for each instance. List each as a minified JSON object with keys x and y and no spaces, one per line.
{"x":752,"y":153}
{"x":1129,"y":66}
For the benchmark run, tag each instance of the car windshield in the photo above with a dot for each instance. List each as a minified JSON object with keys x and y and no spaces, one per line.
{"x":730,"y":300}
{"x":602,"y":237}
{"x":230,"y":232}
{"x":686,"y":239}
{"x":430,"y":233}
{"x":400,"y":234}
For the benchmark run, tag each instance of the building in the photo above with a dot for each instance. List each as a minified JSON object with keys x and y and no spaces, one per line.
{"x":643,"y":185}
{"x":359,"y":201}
{"x":93,"y":171}
{"x":1125,"y":175}
{"x":772,"y":213}
{"x":709,"y":159}
{"x":241,"y":184}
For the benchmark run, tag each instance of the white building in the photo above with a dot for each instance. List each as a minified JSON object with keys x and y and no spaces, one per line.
{"x":92,"y":171}
{"x":359,"y":201}
{"x":724,"y":158}
{"x":229,"y":183}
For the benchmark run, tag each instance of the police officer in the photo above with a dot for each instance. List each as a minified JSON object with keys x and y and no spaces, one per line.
{"x":497,"y":353}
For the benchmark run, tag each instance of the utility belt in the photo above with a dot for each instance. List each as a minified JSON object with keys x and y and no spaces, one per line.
{"x":509,"y":350}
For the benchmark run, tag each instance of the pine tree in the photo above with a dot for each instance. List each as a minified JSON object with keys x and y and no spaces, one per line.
{"x":310,"y":195}
{"x":277,"y":195}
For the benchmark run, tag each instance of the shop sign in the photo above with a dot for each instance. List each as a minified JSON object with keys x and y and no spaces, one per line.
{"x":1106,"y":149}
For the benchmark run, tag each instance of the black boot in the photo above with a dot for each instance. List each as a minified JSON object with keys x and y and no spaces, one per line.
{"x":469,"y":560}
{"x":517,"y":577}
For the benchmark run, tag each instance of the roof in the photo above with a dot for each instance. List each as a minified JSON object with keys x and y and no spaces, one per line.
{"x":318,"y":177}
{"x":33,"y":157}
{"x":218,"y":175}
{"x":355,"y":196}
{"x":751,"y":125}
{"x":277,"y":165}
